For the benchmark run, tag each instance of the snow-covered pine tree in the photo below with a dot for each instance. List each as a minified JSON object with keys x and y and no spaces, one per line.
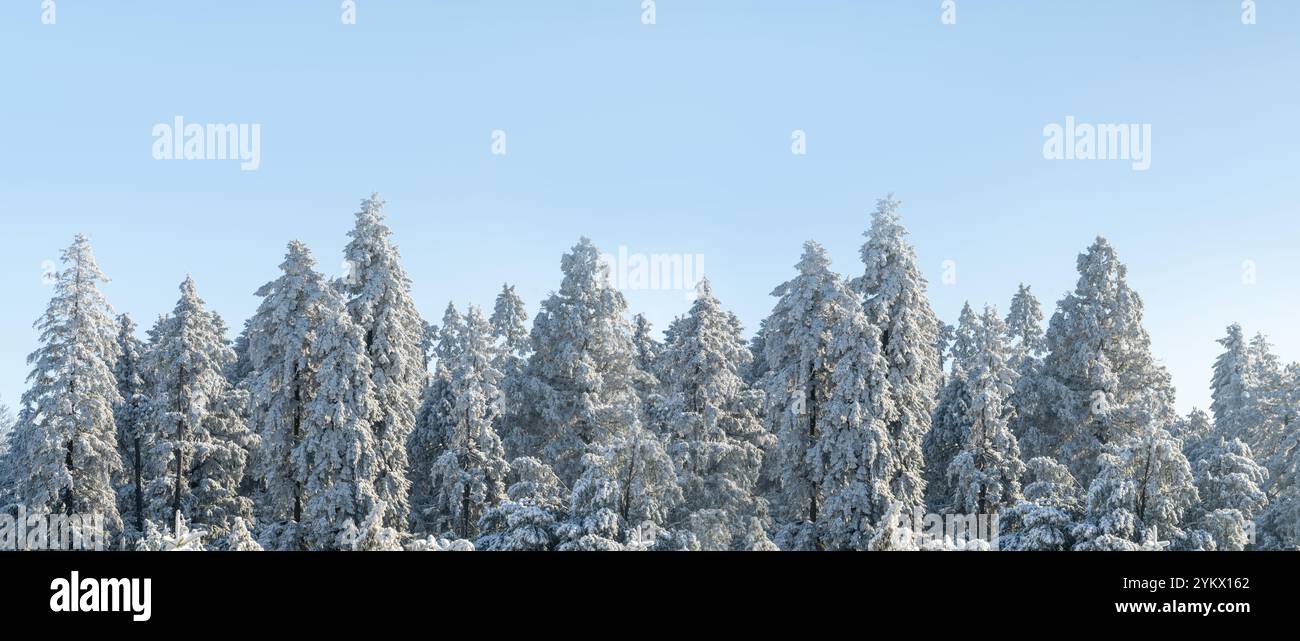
{"x":648,"y":379}
{"x":470,"y":475}
{"x":510,"y":322}
{"x":756,"y":373}
{"x":1231,"y":388}
{"x":7,"y":465}
{"x":339,"y":461}
{"x":1280,"y":524}
{"x":579,"y":385}
{"x":131,"y":416}
{"x":985,"y":476}
{"x":646,"y":346}
{"x":797,"y":349}
{"x":311,"y":402}
{"x":1196,"y":432}
{"x":1099,"y":382}
{"x":372,"y":535}
{"x":198,"y":444}
{"x":239,"y":538}
{"x":1045,"y":518}
{"x":828,"y":403}
{"x":433,"y":420}
{"x":1274,"y":422}
{"x":718,"y":437}
{"x":1230,"y":484}
{"x":66,"y":455}
{"x":950,"y":429}
{"x":894,"y":293}
{"x":853,"y":455}
{"x":280,"y":341}
{"x":625,"y":496}
{"x":379,"y":299}
{"x":1144,"y":484}
{"x":529,"y":519}
{"x":181,"y":539}
{"x":946,"y":335}
{"x":1025,"y":326}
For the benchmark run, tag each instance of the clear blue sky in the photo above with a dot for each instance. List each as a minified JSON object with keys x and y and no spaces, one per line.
{"x":672,"y":138}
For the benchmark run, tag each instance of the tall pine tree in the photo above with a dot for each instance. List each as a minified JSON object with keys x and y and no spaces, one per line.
{"x":199,"y":444}
{"x":379,"y":300}
{"x":1100,"y":383}
{"x":579,"y":385}
{"x":66,"y":455}
{"x":894,"y":297}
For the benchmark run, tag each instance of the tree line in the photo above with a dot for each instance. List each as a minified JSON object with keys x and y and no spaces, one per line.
{"x":339,"y":419}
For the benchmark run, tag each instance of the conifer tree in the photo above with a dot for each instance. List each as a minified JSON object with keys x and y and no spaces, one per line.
{"x":950,"y":428}
{"x":1144,"y":487}
{"x":433,"y":422}
{"x":894,"y":295}
{"x":530,"y":517}
{"x":311,"y":401}
{"x":718,"y":438}
{"x":380,"y":302}
{"x":986,"y":474}
{"x":470,"y":475}
{"x":579,"y":385}
{"x":198,"y":444}
{"x":1232,"y":386}
{"x":131,"y":416}
{"x":65,"y":454}
{"x":829,"y":404}
{"x":1099,"y":383}
{"x":1025,"y":325}
{"x":1230,"y":484}
{"x":1045,"y":518}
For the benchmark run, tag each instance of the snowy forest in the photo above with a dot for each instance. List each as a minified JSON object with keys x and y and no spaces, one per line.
{"x":337,"y":418}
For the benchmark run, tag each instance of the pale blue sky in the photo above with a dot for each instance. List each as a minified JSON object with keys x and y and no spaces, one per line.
{"x":671,"y":138}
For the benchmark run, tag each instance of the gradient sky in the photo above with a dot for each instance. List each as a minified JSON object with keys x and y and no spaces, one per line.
{"x":671,"y":138}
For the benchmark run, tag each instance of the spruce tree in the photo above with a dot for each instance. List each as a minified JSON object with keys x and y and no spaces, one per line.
{"x":986,"y":474}
{"x":433,"y":422}
{"x":1230,"y":484}
{"x":380,"y":302}
{"x":1099,"y":383}
{"x":530,"y":517}
{"x":1045,"y":518}
{"x":894,"y":297}
{"x":1024,"y":324}
{"x":311,"y":401}
{"x":718,"y":438}
{"x":829,"y":404}
{"x":1144,"y":487}
{"x":132,"y":415}
{"x":950,"y":428}
{"x":1231,"y":388}
{"x":65,"y":447}
{"x":470,"y":476}
{"x":579,"y":385}
{"x":198,"y":442}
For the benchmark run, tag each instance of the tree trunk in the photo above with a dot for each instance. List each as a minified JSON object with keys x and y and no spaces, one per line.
{"x":139,"y":489}
{"x":180,"y":447}
{"x":297,"y":428}
{"x":812,"y":437}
